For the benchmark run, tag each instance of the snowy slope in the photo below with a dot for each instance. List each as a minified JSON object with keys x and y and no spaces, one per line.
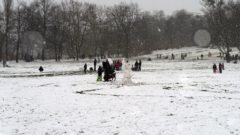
{"x":168,"y":98}
{"x":193,"y":53}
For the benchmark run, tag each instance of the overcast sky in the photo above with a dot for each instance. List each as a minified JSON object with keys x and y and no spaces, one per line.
{"x":168,"y":6}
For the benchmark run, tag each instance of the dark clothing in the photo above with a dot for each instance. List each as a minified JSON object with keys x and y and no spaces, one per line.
{"x":220,"y":68}
{"x":109,"y":71}
{"x":173,"y":56}
{"x":214,"y":68}
{"x":85,"y":68}
{"x":136,"y":65}
{"x":95,"y":64}
{"x":140,"y":65}
{"x":41,"y":69}
{"x":100,"y":71}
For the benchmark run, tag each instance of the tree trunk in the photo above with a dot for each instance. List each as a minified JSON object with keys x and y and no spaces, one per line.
{"x":19,"y":36}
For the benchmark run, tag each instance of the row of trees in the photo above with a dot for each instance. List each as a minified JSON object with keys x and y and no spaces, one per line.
{"x":223,"y":17}
{"x":72,"y":29}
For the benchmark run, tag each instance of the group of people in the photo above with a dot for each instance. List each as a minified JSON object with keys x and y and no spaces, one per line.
{"x":109,"y":71}
{"x":106,"y":68}
{"x":219,"y":68}
{"x":106,"y":72}
{"x":137,"y":66}
{"x":90,"y":69}
{"x":118,"y":65}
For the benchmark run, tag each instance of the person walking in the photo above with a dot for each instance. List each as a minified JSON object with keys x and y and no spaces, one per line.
{"x":223,"y":67}
{"x":95,"y":64}
{"x":85,"y":68}
{"x":140,"y":65}
{"x":220,"y":68}
{"x":214,"y":68}
{"x":136,"y":66}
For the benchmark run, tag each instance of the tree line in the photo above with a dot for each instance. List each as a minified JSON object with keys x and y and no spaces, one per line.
{"x":223,"y":18}
{"x":44,"y":29}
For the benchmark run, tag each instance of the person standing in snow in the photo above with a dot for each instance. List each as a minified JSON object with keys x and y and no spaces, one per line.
{"x":136,"y":66}
{"x":173,"y":56}
{"x":140,"y":65}
{"x":85,"y":68}
{"x":202,"y":56}
{"x":214,"y":68}
{"x":100,"y":71}
{"x":220,"y":68}
{"x":95,"y":64}
{"x":223,"y":67}
{"x":107,"y":71}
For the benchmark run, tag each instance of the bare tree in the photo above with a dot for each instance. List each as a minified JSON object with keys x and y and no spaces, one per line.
{"x":8,"y":4}
{"x":19,"y":27}
{"x":124,"y":17}
{"x":219,"y":25}
{"x":44,"y":8}
{"x":77,"y":26}
{"x":74,"y":29}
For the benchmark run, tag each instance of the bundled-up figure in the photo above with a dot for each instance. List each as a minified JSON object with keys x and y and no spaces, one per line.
{"x":220,"y":67}
{"x":41,"y":69}
{"x":140,"y":65}
{"x":202,"y":56}
{"x":107,"y":71}
{"x":223,"y":67}
{"x":173,"y":56}
{"x":95,"y":64}
{"x":214,"y":68}
{"x":100,"y":72}
{"x":136,"y":66}
{"x":85,"y":68}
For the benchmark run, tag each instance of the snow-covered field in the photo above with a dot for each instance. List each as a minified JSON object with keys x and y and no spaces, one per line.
{"x":168,"y":98}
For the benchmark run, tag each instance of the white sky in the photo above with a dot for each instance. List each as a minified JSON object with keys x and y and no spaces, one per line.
{"x":168,"y":6}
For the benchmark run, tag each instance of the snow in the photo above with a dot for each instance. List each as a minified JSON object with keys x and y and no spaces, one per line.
{"x":168,"y":98}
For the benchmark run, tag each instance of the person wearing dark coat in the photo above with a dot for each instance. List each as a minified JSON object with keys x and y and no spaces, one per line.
{"x":214,"y":68}
{"x":202,"y":56}
{"x":220,"y":68}
{"x":95,"y":64}
{"x":107,"y":71}
{"x":85,"y":68}
{"x":223,"y":67}
{"x":100,"y":72}
{"x":41,"y":69}
{"x":173,"y":56}
{"x":140,"y":65}
{"x":136,"y":66}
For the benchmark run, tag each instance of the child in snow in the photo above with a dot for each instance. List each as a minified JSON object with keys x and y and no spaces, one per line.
{"x":100,"y":71}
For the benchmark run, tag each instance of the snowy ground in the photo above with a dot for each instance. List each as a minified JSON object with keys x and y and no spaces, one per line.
{"x":168,"y":98}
